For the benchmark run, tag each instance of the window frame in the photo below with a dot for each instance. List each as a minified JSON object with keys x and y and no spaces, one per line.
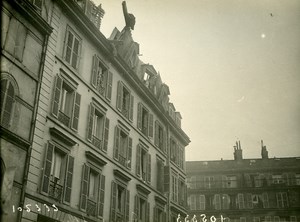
{"x":128,"y":114}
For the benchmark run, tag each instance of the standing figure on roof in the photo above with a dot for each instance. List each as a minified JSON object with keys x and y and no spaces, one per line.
{"x":129,"y":18}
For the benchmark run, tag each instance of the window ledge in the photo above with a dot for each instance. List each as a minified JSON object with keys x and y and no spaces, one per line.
{"x":61,"y":136}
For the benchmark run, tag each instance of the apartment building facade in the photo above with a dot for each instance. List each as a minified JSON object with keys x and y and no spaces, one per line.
{"x":107,"y":143}
{"x":24,"y":35}
{"x":245,"y":190}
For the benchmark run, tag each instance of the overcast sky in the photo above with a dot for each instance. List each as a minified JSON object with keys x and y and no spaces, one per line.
{"x":233,"y":68}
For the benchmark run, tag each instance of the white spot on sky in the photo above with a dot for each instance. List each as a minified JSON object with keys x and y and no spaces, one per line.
{"x":263,"y":35}
{"x":241,"y":99}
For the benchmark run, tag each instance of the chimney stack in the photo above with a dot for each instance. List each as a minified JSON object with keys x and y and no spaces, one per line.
{"x":238,"y":152}
{"x":264,"y":152}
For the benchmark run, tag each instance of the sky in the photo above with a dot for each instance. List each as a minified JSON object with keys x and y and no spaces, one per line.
{"x":233,"y":69}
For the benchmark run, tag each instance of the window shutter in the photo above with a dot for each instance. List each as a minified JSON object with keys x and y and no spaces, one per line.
{"x":149,"y":168}
{"x":119,"y":96}
{"x":160,"y":175}
{"x":84,"y":187}
{"x":57,"y":91}
{"x":129,"y":153}
{"x":131,"y":108}
{"x":127,"y":206}
{"x":47,"y":168}
{"x":249,"y":200}
{"x":136,"y":207}
{"x":147,"y":212}
{"x":76,"y":109}
{"x":109,"y":86}
{"x":166,"y":179}
{"x":155,"y":214}
{"x":113,"y":201}
{"x":139,"y":118}
{"x":165,"y":141}
{"x":68,"y":179}
{"x":117,"y":143}
{"x":106,"y":133}
{"x":101,"y":195}
{"x":156,"y":133}
{"x":150,"y":125}
{"x":164,"y":216}
{"x":90,"y":123}
{"x":94,"y":76}
{"x":138,"y":160}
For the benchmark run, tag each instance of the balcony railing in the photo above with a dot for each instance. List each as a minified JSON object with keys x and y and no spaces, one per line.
{"x":97,"y":142}
{"x":125,"y":112}
{"x":122,"y":160}
{"x":64,"y":119}
{"x":55,"y":191}
{"x":91,"y":208}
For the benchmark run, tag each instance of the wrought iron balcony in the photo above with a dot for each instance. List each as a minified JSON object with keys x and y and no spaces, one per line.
{"x":64,"y":119}
{"x":55,"y":190}
{"x":91,"y":208}
{"x":97,"y":142}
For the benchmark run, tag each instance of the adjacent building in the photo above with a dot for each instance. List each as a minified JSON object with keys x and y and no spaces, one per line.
{"x":245,"y":190}
{"x":106,"y":143}
{"x":24,"y":36}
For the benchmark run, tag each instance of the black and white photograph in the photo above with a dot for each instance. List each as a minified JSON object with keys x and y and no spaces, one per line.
{"x":150,"y":111}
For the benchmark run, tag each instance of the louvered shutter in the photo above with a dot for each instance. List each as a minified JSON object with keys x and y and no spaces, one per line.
{"x":131,"y":108}
{"x":90,"y":122}
{"x":127,"y":206}
{"x":68,"y":179}
{"x":84,"y":187}
{"x":94,"y":76}
{"x":166,"y":179}
{"x":47,"y":167}
{"x":113,"y":202}
{"x":139,"y":117}
{"x":138,"y":160}
{"x":56,"y":97}
{"x":119,"y":96}
{"x":136,"y":207}
{"x":76,"y":110}
{"x":147,"y":212}
{"x":129,"y":153}
{"x":117,"y":143}
{"x":165,"y":141}
{"x":160,"y":175}
{"x":109,"y":86}
{"x":149,"y":168}
{"x":156,"y":133}
{"x":150,"y":122}
{"x":106,"y":134}
{"x":101,"y":195}
{"x":155,"y":214}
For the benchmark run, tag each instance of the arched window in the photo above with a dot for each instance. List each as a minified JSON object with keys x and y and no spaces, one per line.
{"x":8,"y":93}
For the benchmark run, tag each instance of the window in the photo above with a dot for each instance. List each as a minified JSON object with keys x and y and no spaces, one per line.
{"x":249,"y":201}
{"x":181,"y":157}
{"x":174,"y":151}
{"x":240,"y":201}
{"x":282,"y":200}
{"x":201,"y":202}
{"x":225,"y":201}
{"x":160,"y":137}
{"x":229,"y":181}
{"x":142,"y":209}
{"x":57,"y":174}
{"x":66,"y":103}
{"x":243,"y":219}
{"x":293,"y":218}
{"x":159,"y":214}
{"x":123,"y":147}
{"x":276,"y":219}
{"x":125,"y":101}
{"x":143,"y":163}
{"x":209,"y":182}
{"x":72,"y":48}
{"x":277,"y":179}
{"x":98,"y":128}
{"x":217,"y":202}
{"x":8,"y":93}
{"x":258,"y":180}
{"x":267,"y":218}
{"x":174,"y":193}
{"x":120,"y":198}
{"x":160,"y":175}
{"x":256,"y":219}
{"x":101,"y":78}
{"x":297,"y":178}
{"x":265,"y":199}
{"x":182,"y":192}
{"x":192,"y":202}
{"x":92,"y":191}
{"x":145,"y":121}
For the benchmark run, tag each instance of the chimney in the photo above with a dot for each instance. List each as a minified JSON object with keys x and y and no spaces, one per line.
{"x":238,"y":152}
{"x":264,"y":151}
